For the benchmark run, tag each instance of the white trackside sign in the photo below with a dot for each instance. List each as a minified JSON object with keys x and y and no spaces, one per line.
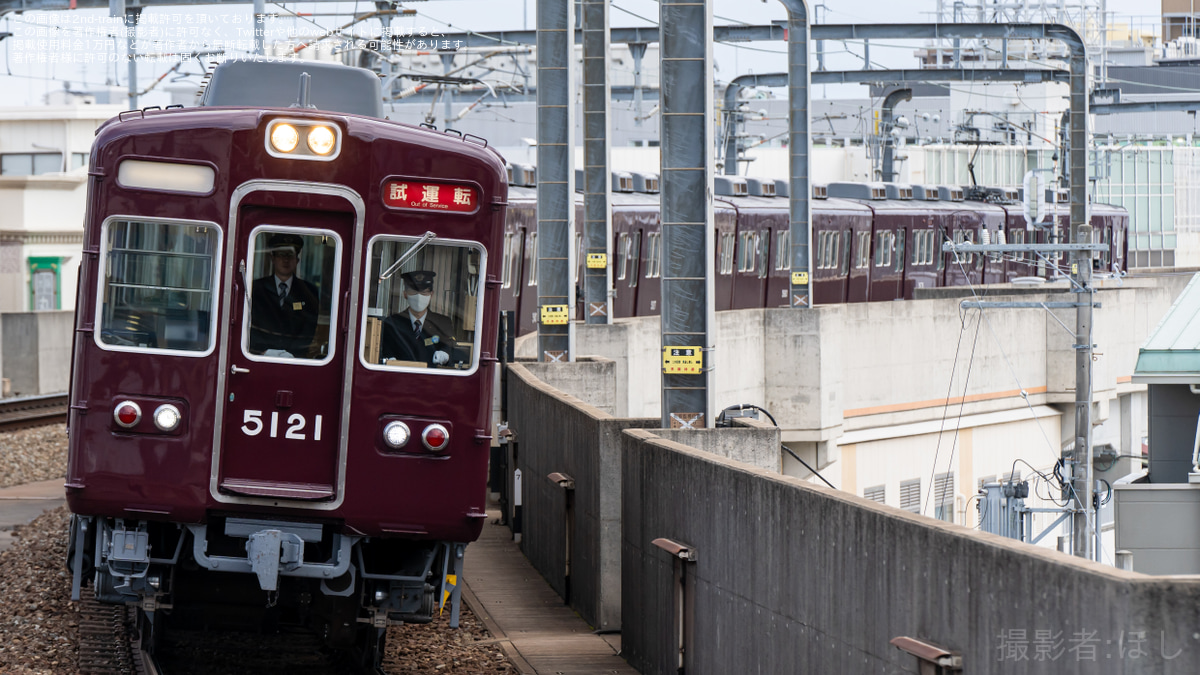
{"x":1034,"y":204}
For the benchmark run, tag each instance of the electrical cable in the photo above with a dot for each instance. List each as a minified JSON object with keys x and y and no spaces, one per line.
{"x":814,"y":471}
{"x":750,"y":406}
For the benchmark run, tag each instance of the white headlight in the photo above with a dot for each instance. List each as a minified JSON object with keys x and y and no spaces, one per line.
{"x":284,"y":137}
{"x":167,"y":417}
{"x":321,"y":140}
{"x":396,"y":434}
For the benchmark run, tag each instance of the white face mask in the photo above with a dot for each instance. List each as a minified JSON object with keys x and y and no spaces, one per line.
{"x":418,"y":302}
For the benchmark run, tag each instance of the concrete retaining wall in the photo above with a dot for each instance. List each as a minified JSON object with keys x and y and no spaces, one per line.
{"x":558,"y":433}
{"x":792,"y":578}
{"x":36,"y":349}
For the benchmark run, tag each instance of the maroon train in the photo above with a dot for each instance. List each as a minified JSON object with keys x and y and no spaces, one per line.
{"x":871,"y":242}
{"x":245,"y":455}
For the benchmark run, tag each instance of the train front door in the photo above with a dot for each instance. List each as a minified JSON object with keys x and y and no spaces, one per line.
{"x":286,"y":354}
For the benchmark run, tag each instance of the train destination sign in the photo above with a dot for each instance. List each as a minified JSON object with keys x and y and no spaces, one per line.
{"x":411,"y":194}
{"x":682,"y":360}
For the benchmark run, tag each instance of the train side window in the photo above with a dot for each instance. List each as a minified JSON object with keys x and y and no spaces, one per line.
{"x":157,"y":289}
{"x":885,"y":243}
{"x":293,"y":296}
{"x":533,"y":259}
{"x":658,"y":255}
{"x":961,"y":237}
{"x":863,"y":260}
{"x":1018,"y":237}
{"x":635,"y":258}
{"x":845,"y":252}
{"x":515,"y":258}
{"x":917,"y":247}
{"x":726,"y":252}
{"x":937,"y":248}
{"x":506,"y":264}
{"x":764,"y":251}
{"x":898,"y":243}
{"x":744,"y":253}
{"x":819,"y":251}
{"x":996,"y":256}
{"x":782,"y":250}
{"x":580,"y":256}
{"x":622,"y":255}
{"x":425,"y":314}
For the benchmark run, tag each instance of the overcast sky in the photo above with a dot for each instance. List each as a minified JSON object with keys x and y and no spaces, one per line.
{"x":49,"y":50}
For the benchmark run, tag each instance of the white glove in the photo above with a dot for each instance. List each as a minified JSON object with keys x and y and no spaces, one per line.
{"x":440,"y":358}
{"x":278,"y":353}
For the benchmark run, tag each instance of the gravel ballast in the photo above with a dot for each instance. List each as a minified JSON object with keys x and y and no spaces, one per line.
{"x":32,"y":455}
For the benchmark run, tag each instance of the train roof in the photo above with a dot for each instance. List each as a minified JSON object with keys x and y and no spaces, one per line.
{"x":274,"y":83}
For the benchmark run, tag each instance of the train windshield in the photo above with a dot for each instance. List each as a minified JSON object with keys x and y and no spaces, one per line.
{"x":157,"y":290}
{"x":423,"y":313}
{"x":293,"y":293}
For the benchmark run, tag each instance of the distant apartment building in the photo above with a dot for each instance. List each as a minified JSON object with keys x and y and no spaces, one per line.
{"x":43,"y":187}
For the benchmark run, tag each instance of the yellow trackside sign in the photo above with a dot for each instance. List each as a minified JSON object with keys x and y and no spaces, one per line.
{"x":555,"y":315}
{"x":682,"y":360}
{"x":597,"y":261}
{"x":799,"y":278}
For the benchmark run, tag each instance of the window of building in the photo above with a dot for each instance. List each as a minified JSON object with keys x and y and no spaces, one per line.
{"x":876,"y":494}
{"x":157,"y":290}
{"x":910,"y":495}
{"x":30,"y":163}
{"x":943,"y":496}
{"x":45,"y":284}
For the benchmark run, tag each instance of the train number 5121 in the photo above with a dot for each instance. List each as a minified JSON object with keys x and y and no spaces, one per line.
{"x":252,"y":425}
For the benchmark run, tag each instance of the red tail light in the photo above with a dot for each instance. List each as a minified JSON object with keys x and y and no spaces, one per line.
{"x":435,"y":437}
{"x":127,"y":414}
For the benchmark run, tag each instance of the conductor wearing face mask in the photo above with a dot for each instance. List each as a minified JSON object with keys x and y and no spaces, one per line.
{"x":418,"y":334}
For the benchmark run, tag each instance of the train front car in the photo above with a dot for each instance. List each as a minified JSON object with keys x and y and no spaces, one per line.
{"x":283,"y":361}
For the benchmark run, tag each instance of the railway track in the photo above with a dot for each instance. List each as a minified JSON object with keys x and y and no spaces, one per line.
{"x":32,"y":411}
{"x":108,"y":642}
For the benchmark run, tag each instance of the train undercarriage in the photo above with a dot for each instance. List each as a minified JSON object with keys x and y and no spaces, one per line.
{"x":259,"y":575}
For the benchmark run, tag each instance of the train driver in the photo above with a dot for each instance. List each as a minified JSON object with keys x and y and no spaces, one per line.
{"x":417,"y":334}
{"x":284,"y":307}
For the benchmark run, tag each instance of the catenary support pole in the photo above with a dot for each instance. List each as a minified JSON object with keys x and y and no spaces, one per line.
{"x":637,"y":50}
{"x":597,"y":277}
{"x":799,"y":152}
{"x":132,"y":14}
{"x":260,"y":26}
{"x":686,"y":133}
{"x":888,"y":119}
{"x":556,"y":178}
{"x":732,"y":116}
